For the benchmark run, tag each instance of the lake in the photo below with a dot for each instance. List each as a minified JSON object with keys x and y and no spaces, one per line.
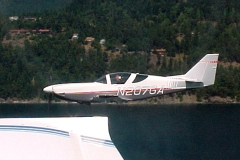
{"x":198,"y":131}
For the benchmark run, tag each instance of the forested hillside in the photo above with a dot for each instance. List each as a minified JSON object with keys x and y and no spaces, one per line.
{"x":26,"y":6}
{"x":186,"y":29}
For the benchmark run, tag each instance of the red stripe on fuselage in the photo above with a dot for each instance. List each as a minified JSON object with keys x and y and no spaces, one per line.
{"x":116,"y":91}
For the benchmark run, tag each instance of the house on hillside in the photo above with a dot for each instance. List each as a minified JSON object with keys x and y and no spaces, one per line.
{"x":160,"y":51}
{"x":120,"y":47}
{"x":41,"y":31}
{"x":30,"y":18}
{"x":102,"y":41}
{"x":75,"y":36}
{"x":13,"y":18}
{"x":89,"y":40}
{"x":18,"y":31}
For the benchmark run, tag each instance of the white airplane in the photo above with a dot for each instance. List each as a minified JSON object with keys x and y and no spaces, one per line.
{"x":133,"y":86}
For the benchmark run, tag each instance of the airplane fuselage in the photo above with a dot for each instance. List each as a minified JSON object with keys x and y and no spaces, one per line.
{"x":96,"y":91}
{"x":133,"y":86}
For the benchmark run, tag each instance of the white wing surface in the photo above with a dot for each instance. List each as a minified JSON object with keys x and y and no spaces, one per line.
{"x":56,"y":138}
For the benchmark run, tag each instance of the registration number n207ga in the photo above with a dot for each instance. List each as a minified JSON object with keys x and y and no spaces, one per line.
{"x":139,"y":90}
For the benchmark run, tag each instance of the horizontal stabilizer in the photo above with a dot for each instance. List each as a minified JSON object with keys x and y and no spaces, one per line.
{"x":190,"y":80}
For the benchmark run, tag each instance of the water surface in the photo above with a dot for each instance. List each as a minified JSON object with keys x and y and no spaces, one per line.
{"x":209,"y":131}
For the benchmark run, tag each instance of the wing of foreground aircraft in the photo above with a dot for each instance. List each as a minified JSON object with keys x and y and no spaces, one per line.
{"x":134,"y":86}
{"x":84,"y":138}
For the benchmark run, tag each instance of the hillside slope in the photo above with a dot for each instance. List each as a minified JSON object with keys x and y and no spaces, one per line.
{"x":14,"y":7}
{"x":185,"y":30}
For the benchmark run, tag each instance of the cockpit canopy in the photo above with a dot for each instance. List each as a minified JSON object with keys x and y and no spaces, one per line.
{"x":102,"y":80}
{"x":121,"y":78}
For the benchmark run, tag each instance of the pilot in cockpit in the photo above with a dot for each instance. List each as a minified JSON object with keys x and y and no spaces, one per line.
{"x":118,"y":79}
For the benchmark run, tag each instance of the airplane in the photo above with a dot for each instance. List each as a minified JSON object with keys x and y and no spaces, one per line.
{"x":125,"y":86}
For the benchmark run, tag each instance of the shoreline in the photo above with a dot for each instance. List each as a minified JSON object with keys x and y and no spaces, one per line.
{"x":166,"y":99}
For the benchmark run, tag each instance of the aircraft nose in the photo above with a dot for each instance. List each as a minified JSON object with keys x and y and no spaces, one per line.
{"x":48,"y":89}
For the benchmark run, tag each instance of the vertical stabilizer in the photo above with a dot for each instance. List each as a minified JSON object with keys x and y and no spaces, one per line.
{"x":204,"y":71}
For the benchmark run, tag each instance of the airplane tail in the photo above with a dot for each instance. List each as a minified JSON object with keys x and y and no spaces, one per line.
{"x":204,"y":71}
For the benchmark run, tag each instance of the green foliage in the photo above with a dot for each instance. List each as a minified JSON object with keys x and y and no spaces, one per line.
{"x":26,"y":6}
{"x":191,"y":28}
{"x":129,"y":63}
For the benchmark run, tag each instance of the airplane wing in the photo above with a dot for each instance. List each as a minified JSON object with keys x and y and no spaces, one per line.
{"x":56,"y":138}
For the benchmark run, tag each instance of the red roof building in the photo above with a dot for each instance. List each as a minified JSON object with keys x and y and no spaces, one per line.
{"x":19,"y":31}
{"x":41,"y":31}
{"x":160,"y":51}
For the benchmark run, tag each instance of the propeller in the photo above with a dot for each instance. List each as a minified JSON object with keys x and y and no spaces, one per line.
{"x":49,"y":90}
{"x":49,"y":101}
{"x":51,"y":93}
